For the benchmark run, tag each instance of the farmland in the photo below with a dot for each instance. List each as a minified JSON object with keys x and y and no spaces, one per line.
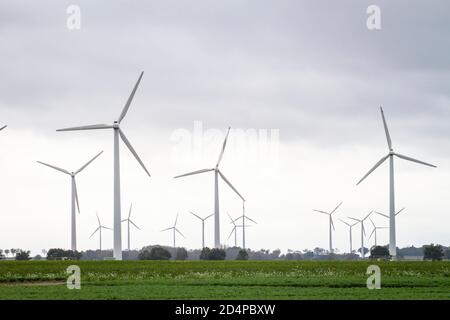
{"x":224,"y":280}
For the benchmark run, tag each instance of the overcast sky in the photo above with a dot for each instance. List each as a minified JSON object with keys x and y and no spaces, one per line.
{"x":299,"y":82}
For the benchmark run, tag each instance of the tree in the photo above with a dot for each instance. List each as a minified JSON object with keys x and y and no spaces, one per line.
{"x":7,"y":252}
{"x":379,"y":252}
{"x":204,"y":255}
{"x":433,"y":252}
{"x":156,"y":253}
{"x":242,"y":255}
{"x":181,"y":254}
{"x":217,"y":254}
{"x":61,"y":254}
{"x":13,"y":251}
{"x":22,"y":255}
{"x":37,"y":257}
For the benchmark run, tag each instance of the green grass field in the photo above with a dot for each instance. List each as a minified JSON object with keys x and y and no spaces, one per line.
{"x":224,"y":280}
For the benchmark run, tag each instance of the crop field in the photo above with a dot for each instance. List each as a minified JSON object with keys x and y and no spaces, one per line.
{"x":224,"y":280}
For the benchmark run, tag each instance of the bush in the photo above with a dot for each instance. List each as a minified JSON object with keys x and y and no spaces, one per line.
{"x":217,"y":254}
{"x":433,"y":252}
{"x":379,"y":252}
{"x":204,"y":255}
{"x":22,"y":255}
{"x":181,"y":254}
{"x":242,"y":255}
{"x":156,"y":253}
{"x":61,"y":254}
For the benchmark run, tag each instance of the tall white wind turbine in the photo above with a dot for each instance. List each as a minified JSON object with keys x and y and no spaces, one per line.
{"x":118,"y":134}
{"x":74,"y":195}
{"x":244,"y":217}
{"x":203,"y":225}
{"x":350,"y":231}
{"x":331,"y":224}
{"x":129,"y":221}
{"x":217,"y":173}
{"x":175,"y":230}
{"x":374,"y":231}
{"x":99,"y":230}
{"x":363,"y":232}
{"x":390,"y":155}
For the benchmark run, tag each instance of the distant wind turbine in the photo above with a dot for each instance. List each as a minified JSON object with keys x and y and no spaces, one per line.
{"x":390,"y":155}
{"x":128,"y":221}
{"x":74,"y":193}
{"x":203,"y":226}
{"x":244,"y":217}
{"x":99,"y":230}
{"x":350,"y":231}
{"x":363,"y":232}
{"x":374,"y":231}
{"x":331,"y":224}
{"x":217,"y":173}
{"x":118,"y":133}
{"x":175,"y":230}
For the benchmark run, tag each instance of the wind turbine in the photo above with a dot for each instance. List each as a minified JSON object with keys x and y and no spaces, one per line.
{"x":128,"y":220}
{"x":363,"y":232}
{"x":374,"y":231}
{"x":99,"y":229}
{"x":350,"y":230}
{"x":3,"y":128}
{"x":385,"y":215}
{"x":174,"y":228}
{"x":74,"y":193}
{"x":331,"y":224}
{"x":217,"y":173}
{"x":118,"y":133}
{"x":390,"y":155}
{"x":203,"y":226}
{"x":244,"y":217}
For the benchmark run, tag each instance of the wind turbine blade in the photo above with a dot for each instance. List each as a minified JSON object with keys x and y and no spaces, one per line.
{"x":344,"y":222}
{"x":76,"y":194}
{"x":106,"y":228}
{"x":98,"y":219}
{"x":354,"y":219}
{"x":130,"y":98}
{"x":414,"y":160}
{"x":194,"y":172}
{"x":231,"y":186}
{"x":332,"y":224}
{"x":223,"y":148}
{"x":53,"y":167}
{"x":321,"y":211}
{"x":372,"y":222}
{"x":94,"y":232}
{"x":364,"y":229}
{"x":246,"y":217}
{"x":135,"y":225}
{"x":336,"y":208}
{"x":209,"y":216}
{"x":195,"y":215}
{"x":129,"y":214}
{"x":400,"y":211}
{"x":167,"y":229}
{"x":2,"y":128}
{"x":237,"y":219}
{"x":130,"y":147}
{"x":367,"y":216}
{"x":180,"y":232}
{"x":176,"y":220}
{"x":231,"y":233}
{"x":89,"y":127}
{"x":231,"y":219}
{"x":386,"y":130}
{"x":124,"y":220}
{"x":84,"y":167}
{"x":373,"y":169}
{"x":373,"y":231}
{"x":382,"y":214}
{"x":354,"y":224}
